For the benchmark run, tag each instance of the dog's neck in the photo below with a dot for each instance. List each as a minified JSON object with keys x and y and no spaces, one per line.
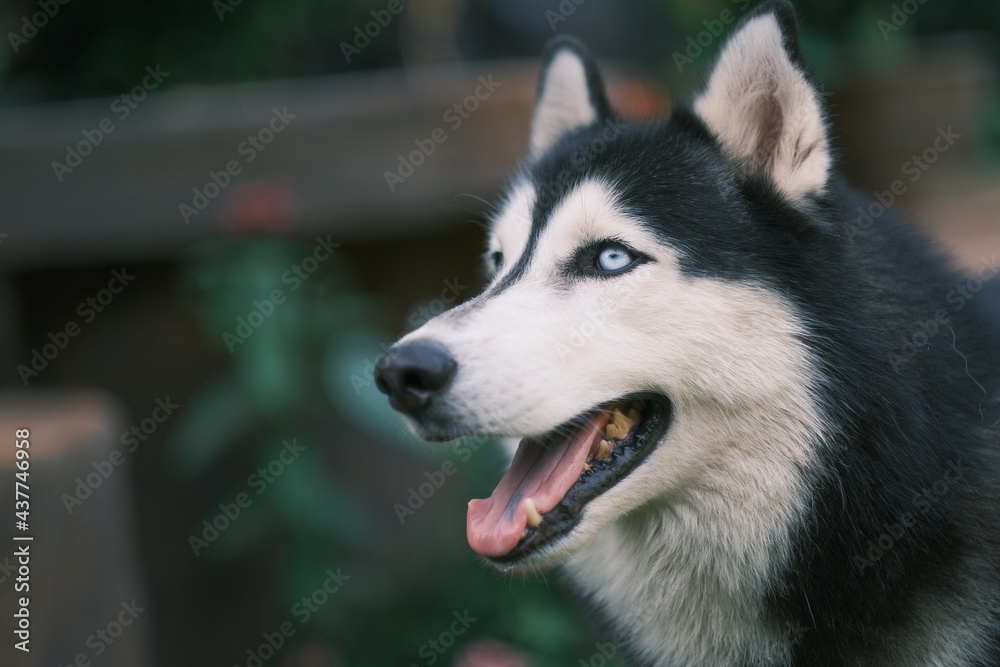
{"x":675,"y":603}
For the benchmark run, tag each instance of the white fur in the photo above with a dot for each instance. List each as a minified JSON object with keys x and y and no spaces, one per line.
{"x":563,"y":103}
{"x":689,"y":536}
{"x":757,"y":98}
{"x":513,"y":226}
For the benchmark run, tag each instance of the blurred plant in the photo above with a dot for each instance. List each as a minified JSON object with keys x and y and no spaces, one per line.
{"x":269,"y":390}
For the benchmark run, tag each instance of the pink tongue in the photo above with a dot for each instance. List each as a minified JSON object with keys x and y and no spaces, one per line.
{"x":543,"y":473}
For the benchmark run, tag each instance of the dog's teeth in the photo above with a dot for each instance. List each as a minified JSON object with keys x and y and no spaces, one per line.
{"x":604,"y":450}
{"x":635,"y":414}
{"x":614,"y":431}
{"x":623,"y":423}
{"x":534,"y":518}
{"x":586,"y":466}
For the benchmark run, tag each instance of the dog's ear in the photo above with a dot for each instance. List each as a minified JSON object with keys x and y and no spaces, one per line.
{"x":762,"y":107}
{"x":570,"y":94}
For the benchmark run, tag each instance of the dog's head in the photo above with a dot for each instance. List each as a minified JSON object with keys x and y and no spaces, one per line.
{"x":634,"y":336}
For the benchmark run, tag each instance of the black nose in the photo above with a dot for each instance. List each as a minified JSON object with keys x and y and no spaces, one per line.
{"x":412,"y":373}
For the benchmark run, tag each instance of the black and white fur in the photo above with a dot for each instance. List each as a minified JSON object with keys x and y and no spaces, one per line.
{"x":770,"y":324}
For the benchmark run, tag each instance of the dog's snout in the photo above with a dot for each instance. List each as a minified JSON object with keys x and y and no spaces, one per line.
{"x":412,"y":373}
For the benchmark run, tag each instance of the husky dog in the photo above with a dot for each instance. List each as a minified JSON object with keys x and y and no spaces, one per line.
{"x":752,"y":429}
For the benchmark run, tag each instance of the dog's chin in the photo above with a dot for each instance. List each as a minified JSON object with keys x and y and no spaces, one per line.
{"x":536,"y":516}
{"x":554,"y":553}
{"x":433,"y":427}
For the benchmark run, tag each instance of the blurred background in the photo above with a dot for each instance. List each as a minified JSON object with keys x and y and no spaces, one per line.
{"x":216,"y":214}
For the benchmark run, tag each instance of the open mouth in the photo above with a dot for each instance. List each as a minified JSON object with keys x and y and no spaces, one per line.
{"x":552,"y":477}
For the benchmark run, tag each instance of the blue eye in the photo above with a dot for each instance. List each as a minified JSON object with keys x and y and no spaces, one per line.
{"x":614,"y":258}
